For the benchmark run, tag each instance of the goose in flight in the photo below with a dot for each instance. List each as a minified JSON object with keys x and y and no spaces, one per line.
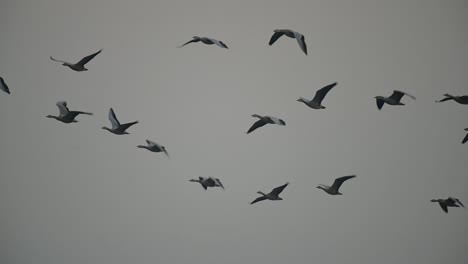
{"x":292,"y":34}
{"x":4,"y":86}
{"x":273,"y":195}
{"x":316,"y":102}
{"x":207,"y":41}
{"x":334,"y":189}
{"x":459,"y":99}
{"x":393,"y":99}
{"x":154,"y":147}
{"x":208,"y":182}
{"x":117,"y":128}
{"x":79,"y":66}
{"x":466,"y":137}
{"x":449,"y":202}
{"x":65,"y":115}
{"x":265,"y":120}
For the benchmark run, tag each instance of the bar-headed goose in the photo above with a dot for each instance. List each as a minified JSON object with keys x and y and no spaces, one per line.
{"x":265,"y":120}
{"x":65,"y":115}
{"x":154,"y":147}
{"x":393,"y":99}
{"x":449,"y":202}
{"x":463,"y":99}
{"x":79,"y":66}
{"x":273,"y":195}
{"x":208,"y":182}
{"x":334,"y":189}
{"x":292,"y":34}
{"x":117,"y":128}
{"x":316,"y":102}
{"x":207,"y":41}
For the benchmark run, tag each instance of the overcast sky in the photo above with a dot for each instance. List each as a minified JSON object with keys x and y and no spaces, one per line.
{"x":76,"y":194}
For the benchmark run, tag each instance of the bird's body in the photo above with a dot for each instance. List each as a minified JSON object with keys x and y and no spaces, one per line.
{"x":273,"y":195}
{"x":263,"y":120}
{"x":316,"y":102}
{"x":208,"y":182}
{"x":66,"y":116}
{"x":291,"y":34}
{"x":394,"y":99}
{"x":117,"y":128}
{"x":449,"y":202}
{"x":79,"y":66}
{"x":207,"y":41}
{"x":4,"y":86}
{"x":459,"y":99}
{"x":154,"y":147}
{"x":334,"y":189}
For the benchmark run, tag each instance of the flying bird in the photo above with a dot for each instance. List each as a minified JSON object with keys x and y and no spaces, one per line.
{"x":459,"y":99}
{"x":316,"y":102}
{"x":154,"y":147}
{"x":4,"y":86}
{"x":207,"y":41}
{"x":334,"y":189}
{"x":79,"y":66}
{"x":65,"y":115}
{"x":466,"y":137}
{"x":265,"y":120}
{"x":273,"y":195}
{"x":117,"y":128}
{"x":394,"y":99}
{"x":449,"y":202}
{"x":292,"y":34}
{"x":208,"y":182}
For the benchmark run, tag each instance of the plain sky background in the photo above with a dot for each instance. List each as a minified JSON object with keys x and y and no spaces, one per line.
{"x":75,"y":194}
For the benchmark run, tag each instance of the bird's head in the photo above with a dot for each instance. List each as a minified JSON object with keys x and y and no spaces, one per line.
{"x":141,"y":146}
{"x":255,"y":115}
{"x":50,"y":116}
{"x":434,"y":200}
{"x":301,"y":100}
{"x":105,"y":128}
{"x":193,"y":180}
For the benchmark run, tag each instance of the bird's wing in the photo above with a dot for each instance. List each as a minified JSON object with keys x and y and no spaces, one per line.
{"x":458,"y":201}
{"x":86,"y":59}
{"x":4,"y":86}
{"x":113,"y":119}
{"x":151,"y":143}
{"x":445,"y":99}
{"x":59,"y":60}
{"x":444,"y":207}
{"x":339,"y":181}
{"x":191,"y":41}
{"x":275,"y":37}
{"x":397,"y":95}
{"x":380,"y":103}
{"x":277,"y":120}
{"x":218,"y":182}
{"x":127,"y":125}
{"x":301,"y":40}
{"x":278,"y":190}
{"x":465,"y":139}
{"x":219,"y":43}
{"x":256,"y":125}
{"x":321,"y":93}
{"x":261,"y":198}
{"x":62,"y":106}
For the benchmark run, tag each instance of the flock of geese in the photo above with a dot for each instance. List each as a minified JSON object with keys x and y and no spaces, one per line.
{"x":67,"y":116}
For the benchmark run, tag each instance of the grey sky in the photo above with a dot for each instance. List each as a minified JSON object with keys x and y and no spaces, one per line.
{"x":77,"y":194}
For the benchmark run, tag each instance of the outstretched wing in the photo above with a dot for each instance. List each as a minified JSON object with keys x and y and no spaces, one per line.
{"x":256,"y":125}
{"x":277,"y":120}
{"x":218,"y":183}
{"x":465,"y":139}
{"x":380,"y":103}
{"x":113,"y":119}
{"x":321,"y":93}
{"x":278,"y":190}
{"x":218,"y":42}
{"x":191,"y":41}
{"x":88,"y":58}
{"x":127,"y":125}
{"x":62,"y":106}
{"x":458,"y":201}
{"x":444,"y":207}
{"x":275,"y":37}
{"x":59,"y":60}
{"x":151,"y":143}
{"x":397,"y":95}
{"x":339,"y":181}
{"x":4,"y":86}
{"x":261,"y":198}
{"x":301,"y":40}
